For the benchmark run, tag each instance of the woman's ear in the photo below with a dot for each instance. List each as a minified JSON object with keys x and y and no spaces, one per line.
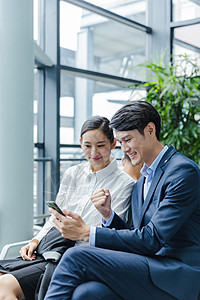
{"x":114,"y":144}
{"x":80,"y":141}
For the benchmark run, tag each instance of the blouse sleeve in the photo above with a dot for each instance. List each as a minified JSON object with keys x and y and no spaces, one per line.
{"x":61,"y":201}
{"x":121,"y":195}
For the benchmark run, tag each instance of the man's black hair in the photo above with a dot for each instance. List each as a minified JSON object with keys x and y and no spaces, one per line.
{"x":136,"y":115}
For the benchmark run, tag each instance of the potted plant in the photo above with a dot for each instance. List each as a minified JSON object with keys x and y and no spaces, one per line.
{"x":174,"y":90}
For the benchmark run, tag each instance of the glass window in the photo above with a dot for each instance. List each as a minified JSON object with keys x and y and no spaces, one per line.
{"x":66,"y":135}
{"x":70,"y":156}
{"x":187,"y":41}
{"x":35,"y":106}
{"x":177,"y":50}
{"x":104,"y":98}
{"x":100,"y":44}
{"x":35,"y":127}
{"x":108,"y":102}
{"x":38,"y":22}
{"x":67,"y":106}
{"x":192,"y":55}
{"x":67,"y":109}
{"x":70,"y":21}
{"x":35,"y":20}
{"x":185,"y":10}
{"x":35,"y":182}
{"x":189,"y":35}
{"x":132,"y":9}
{"x":38,"y":105}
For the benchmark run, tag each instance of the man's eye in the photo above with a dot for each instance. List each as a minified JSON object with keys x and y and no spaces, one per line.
{"x":87,"y":146}
{"x":100,"y":146}
{"x":127,"y":141}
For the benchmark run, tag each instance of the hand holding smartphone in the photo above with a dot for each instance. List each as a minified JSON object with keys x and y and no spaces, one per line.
{"x":53,"y":205}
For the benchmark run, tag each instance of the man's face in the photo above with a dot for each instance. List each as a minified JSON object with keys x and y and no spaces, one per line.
{"x":136,"y":146}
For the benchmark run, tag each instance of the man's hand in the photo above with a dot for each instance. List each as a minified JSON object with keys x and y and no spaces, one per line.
{"x":102,"y":202}
{"x":27,"y":251}
{"x":72,"y":226}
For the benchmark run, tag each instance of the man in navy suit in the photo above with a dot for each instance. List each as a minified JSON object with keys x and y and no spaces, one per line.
{"x":158,"y":257}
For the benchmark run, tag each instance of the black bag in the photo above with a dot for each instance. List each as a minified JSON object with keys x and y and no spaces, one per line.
{"x":52,"y":241}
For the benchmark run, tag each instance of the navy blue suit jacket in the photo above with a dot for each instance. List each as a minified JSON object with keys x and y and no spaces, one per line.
{"x":165,"y":227}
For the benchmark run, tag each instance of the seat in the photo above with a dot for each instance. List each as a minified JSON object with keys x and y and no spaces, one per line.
{"x":6,"y":251}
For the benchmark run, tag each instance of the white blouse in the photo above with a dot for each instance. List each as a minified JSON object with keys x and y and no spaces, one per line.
{"x":78,"y":185}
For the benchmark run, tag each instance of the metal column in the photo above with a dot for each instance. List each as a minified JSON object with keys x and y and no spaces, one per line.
{"x":16,"y":121}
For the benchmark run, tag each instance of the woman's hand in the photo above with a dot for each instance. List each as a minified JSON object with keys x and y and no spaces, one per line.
{"x":102,"y":202}
{"x":27,"y":251}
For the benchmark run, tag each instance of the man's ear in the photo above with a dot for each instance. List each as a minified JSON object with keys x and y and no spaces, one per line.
{"x":151,"y":128}
{"x":80,"y":141}
{"x":114,"y":143}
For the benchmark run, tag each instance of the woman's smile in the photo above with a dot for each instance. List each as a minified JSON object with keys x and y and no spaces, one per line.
{"x":96,"y":148}
{"x":95,"y":158}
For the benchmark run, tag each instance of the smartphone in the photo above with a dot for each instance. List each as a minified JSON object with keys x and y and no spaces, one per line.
{"x":53,"y":205}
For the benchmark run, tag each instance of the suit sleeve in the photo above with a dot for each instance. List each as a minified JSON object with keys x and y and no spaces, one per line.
{"x":180,"y":197}
{"x":118,"y":223}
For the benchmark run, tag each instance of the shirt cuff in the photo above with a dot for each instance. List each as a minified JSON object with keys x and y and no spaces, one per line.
{"x":92,"y":236}
{"x":106,"y":224}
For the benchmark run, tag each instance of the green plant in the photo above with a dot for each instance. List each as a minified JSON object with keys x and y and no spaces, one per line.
{"x":174,"y":90}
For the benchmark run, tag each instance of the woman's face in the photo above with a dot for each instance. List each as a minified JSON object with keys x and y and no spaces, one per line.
{"x":96,"y":148}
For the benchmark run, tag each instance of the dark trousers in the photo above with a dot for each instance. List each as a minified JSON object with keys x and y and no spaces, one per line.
{"x":93,"y":273}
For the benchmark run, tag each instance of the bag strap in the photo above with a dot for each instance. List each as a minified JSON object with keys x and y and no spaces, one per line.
{"x":52,"y":256}
{"x":45,"y":280}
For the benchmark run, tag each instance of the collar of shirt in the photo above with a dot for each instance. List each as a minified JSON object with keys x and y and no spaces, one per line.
{"x":145,"y":171}
{"x":101,"y":174}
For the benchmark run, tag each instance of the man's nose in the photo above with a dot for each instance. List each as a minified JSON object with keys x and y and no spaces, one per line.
{"x":125,"y":148}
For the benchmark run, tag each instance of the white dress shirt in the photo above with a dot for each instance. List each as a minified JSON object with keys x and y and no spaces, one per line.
{"x":78,"y":185}
{"x":148,"y":173}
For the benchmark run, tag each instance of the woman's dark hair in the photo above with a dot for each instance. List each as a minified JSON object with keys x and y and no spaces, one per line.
{"x":136,"y":115}
{"x":100,"y":123}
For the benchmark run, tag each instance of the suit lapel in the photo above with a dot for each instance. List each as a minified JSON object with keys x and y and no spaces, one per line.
{"x":158,"y":174}
{"x":137,"y":202}
{"x":156,"y":179}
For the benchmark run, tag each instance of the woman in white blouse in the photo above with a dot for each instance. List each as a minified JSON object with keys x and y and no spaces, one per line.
{"x":78,"y":184}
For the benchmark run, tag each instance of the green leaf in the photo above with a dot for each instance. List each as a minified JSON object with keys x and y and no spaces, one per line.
{"x":174,"y":90}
